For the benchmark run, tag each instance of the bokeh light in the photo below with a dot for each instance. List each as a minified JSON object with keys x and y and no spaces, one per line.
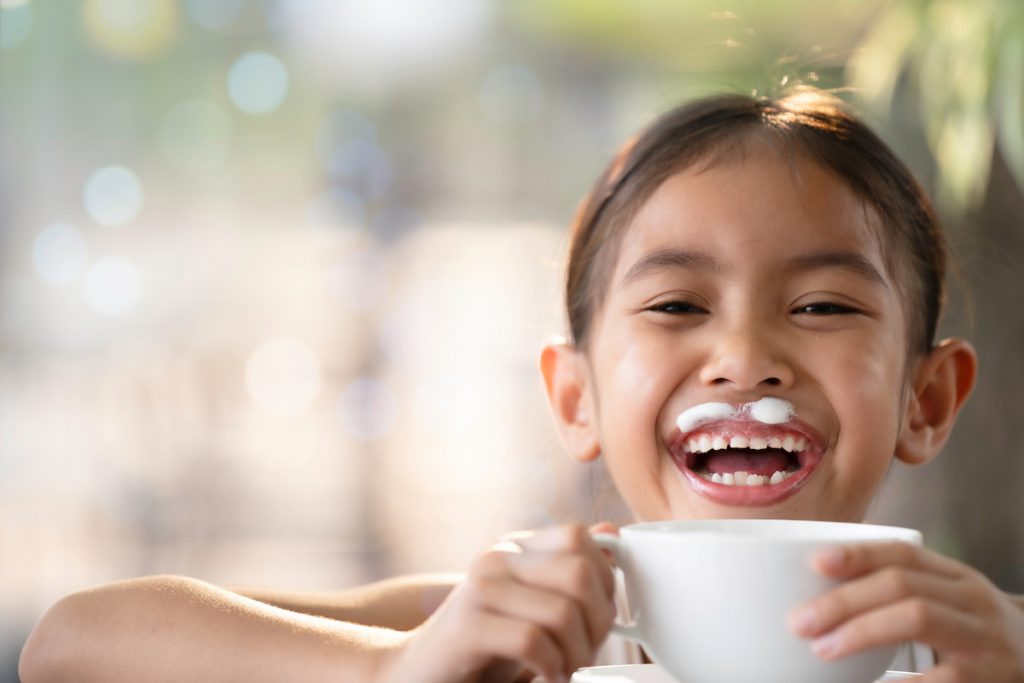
{"x":130,"y":28}
{"x":371,"y":171}
{"x":367,"y":408}
{"x":195,"y":135}
{"x":376,"y":44}
{"x":511,"y":94}
{"x":353,"y":158}
{"x":346,"y":144}
{"x":216,"y":15}
{"x":340,"y":131}
{"x":258,"y":83}
{"x":15,"y":23}
{"x":113,"y":195}
{"x":393,"y":221}
{"x":59,"y":254}
{"x":283,"y":376}
{"x":113,"y":286}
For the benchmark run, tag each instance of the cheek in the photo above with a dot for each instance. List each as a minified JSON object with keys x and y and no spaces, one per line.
{"x":633,"y":380}
{"x":636,"y":371}
{"x":870,"y":365}
{"x":866,"y":391}
{"x":638,"y":377}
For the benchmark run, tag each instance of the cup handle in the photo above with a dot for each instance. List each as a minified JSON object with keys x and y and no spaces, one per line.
{"x":613,"y":544}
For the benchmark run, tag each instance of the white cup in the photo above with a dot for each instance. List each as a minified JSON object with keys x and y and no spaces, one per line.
{"x":709,"y":598}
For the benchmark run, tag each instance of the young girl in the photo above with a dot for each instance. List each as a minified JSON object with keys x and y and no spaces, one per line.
{"x":737,"y":249}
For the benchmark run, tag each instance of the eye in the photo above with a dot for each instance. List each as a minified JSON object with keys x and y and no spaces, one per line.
{"x":825,"y":308}
{"x":676,"y":308}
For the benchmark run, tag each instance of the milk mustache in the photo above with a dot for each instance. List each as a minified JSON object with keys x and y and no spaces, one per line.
{"x":768,"y":410}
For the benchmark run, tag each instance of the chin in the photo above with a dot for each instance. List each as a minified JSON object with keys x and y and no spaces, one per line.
{"x":796,"y":507}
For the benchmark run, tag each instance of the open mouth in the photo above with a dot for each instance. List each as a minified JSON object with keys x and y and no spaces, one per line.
{"x":747,"y":463}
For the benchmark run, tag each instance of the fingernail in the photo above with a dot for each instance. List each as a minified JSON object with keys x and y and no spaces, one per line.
{"x":826,"y":647}
{"x":803,"y":621}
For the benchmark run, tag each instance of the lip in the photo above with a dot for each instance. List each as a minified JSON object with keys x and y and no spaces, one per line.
{"x":751,"y":496}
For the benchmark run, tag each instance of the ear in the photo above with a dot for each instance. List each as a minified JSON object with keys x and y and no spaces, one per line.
{"x":942,"y":382}
{"x":570,"y":396}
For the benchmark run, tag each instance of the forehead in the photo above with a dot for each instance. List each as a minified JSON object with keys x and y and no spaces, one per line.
{"x":754,"y":211}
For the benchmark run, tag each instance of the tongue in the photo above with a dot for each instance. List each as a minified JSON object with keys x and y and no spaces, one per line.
{"x":766,"y":462}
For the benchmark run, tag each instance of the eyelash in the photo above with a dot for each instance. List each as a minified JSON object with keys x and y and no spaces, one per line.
{"x":818,"y":308}
{"x":826,"y":308}
{"x":673,"y":308}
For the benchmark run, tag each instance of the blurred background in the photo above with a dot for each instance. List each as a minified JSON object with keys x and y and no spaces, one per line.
{"x":274,"y":275}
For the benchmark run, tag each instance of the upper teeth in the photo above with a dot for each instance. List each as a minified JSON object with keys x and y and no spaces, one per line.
{"x":703,"y":444}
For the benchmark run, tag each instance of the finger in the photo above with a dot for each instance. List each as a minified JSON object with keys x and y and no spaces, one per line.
{"x":603,"y":528}
{"x":882,"y":587}
{"x":499,"y":636}
{"x":927,"y":621}
{"x":525,"y":551}
{"x":847,"y":561}
{"x":560,"y":616}
{"x":564,"y":559}
{"x":571,"y":539}
{"x":573,"y":577}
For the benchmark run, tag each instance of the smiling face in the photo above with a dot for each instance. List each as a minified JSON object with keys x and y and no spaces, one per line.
{"x":760,"y":277}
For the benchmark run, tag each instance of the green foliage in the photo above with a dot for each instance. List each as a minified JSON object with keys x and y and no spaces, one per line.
{"x":965,"y":62}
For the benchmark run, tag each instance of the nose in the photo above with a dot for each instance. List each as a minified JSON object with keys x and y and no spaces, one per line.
{"x":746,"y":358}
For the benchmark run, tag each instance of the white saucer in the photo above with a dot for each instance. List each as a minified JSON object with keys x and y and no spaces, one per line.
{"x":652,"y":673}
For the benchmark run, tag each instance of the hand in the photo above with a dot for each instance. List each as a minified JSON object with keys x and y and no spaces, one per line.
{"x":896,"y":592}
{"x":540,"y":601}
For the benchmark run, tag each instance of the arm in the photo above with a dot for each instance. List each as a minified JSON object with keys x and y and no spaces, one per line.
{"x":401,"y":603}
{"x":543,"y":605}
{"x":177,"y":629}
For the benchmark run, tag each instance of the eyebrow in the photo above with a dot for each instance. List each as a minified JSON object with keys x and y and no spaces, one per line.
{"x":848,"y":260}
{"x":662,"y":259}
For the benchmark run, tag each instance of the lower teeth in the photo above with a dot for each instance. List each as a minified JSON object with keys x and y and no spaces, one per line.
{"x":745,"y":479}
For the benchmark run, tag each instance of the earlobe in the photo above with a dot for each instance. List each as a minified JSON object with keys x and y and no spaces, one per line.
{"x":568,"y":387}
{"x":941,"y":384}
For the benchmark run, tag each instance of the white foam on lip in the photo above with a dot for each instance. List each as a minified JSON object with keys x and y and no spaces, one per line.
{"x":704,"y":412}
{"x":768,"y":410}
{"x":771,"y":410}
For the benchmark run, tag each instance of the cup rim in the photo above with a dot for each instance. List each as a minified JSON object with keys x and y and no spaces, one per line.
{"x":817,"y":531}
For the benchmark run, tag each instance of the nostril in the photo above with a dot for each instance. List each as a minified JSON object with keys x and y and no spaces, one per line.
{"x":770,"y":381}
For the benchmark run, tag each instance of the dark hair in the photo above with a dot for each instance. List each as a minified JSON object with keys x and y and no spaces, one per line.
{"x":806,"y":121}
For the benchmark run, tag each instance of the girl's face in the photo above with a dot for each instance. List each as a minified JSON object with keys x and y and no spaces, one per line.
{"x":750,"y":279}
